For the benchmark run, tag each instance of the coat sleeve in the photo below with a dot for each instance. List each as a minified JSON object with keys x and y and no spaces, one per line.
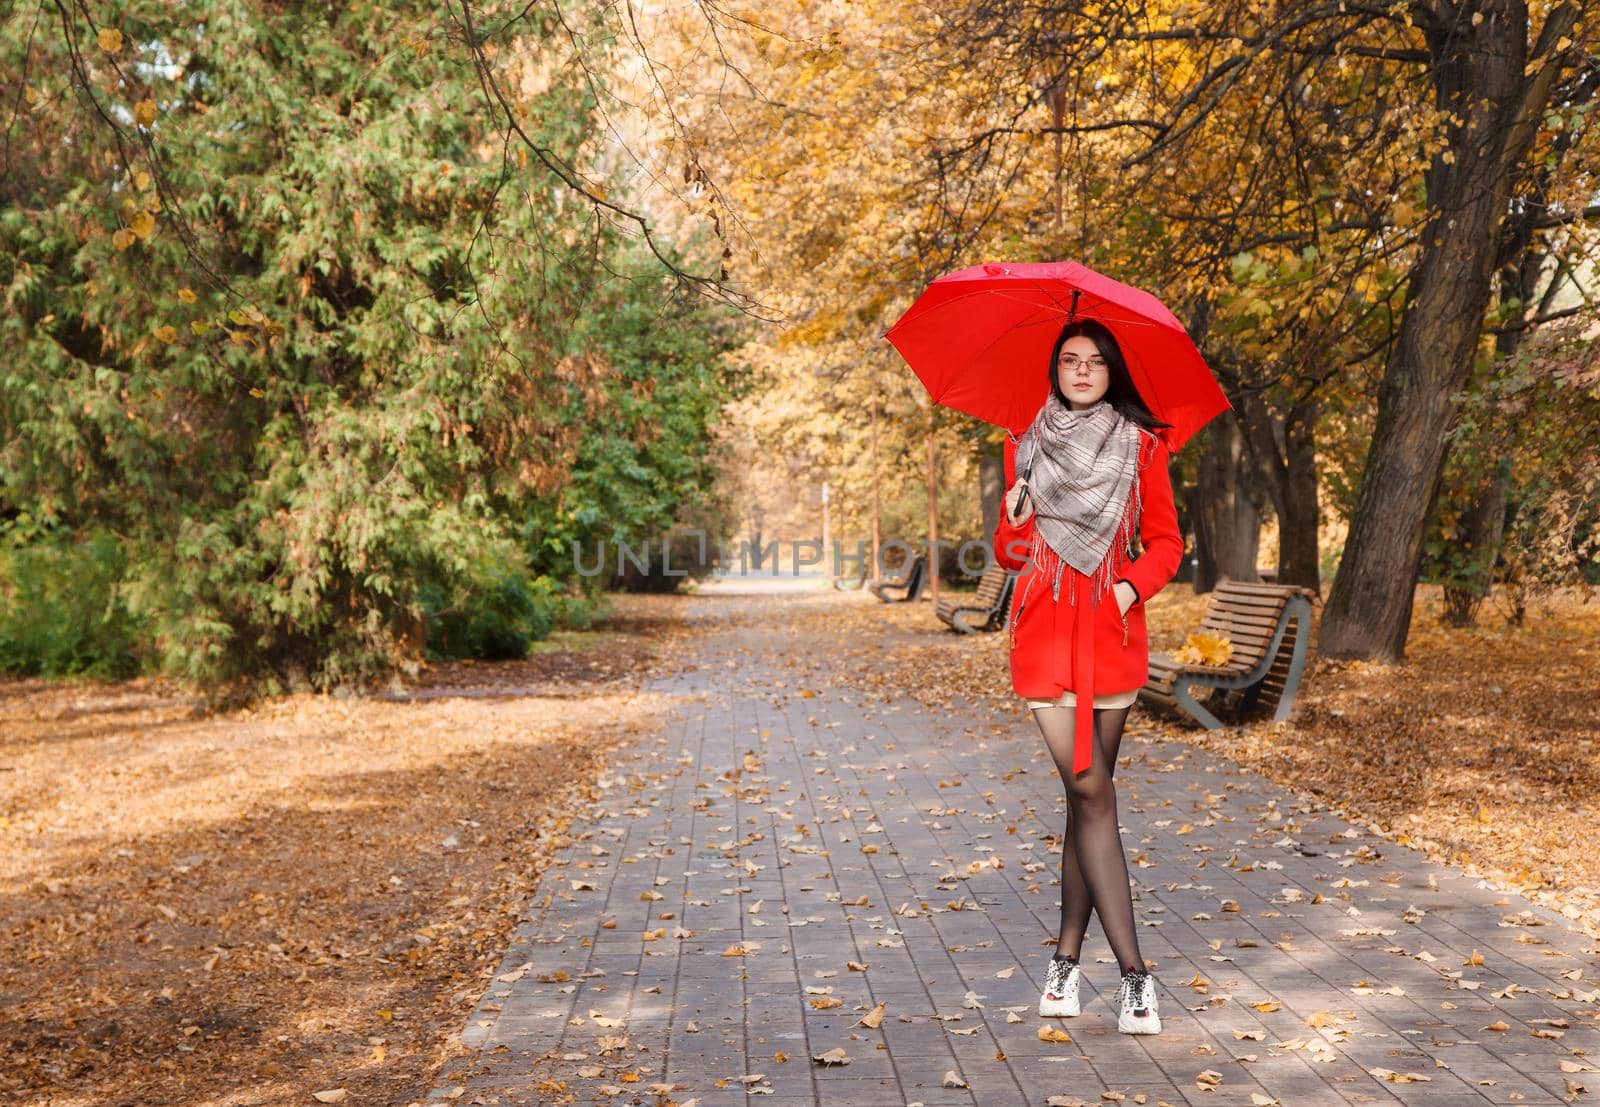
{"x":1011,"y":542}
{"x":1158,"y":529}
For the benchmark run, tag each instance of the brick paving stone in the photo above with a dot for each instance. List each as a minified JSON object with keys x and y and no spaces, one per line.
{"x":791,"y":833}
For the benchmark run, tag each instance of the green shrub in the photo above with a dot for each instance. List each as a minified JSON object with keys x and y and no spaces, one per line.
{"x":61,"y":615}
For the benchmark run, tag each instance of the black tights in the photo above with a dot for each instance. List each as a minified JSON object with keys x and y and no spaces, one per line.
{"x":1094,"y":872}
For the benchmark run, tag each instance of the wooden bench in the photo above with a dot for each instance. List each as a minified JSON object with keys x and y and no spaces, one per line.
{"x":910,"y":582}
{"x":985,"y":609}
{"x":1269,"y":626}
{"x":853,"y":582}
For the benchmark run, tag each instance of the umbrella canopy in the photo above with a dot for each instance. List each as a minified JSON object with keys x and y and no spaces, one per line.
{"x":980,"y":340}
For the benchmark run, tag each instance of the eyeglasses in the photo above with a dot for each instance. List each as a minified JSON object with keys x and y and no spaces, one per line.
{"x":1070,"y":362}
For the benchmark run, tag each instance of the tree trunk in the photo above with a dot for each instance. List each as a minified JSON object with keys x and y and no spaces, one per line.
{"x":1299,"y":559}
{"x":991,"y":481}
{"x":1282,"y":448}
{"x":1481,"y":531}
{"x":1227,"y":525}
{"x":1478,"y":79}
{"x":876,"y":535}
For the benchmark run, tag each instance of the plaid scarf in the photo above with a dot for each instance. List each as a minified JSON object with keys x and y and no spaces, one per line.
{"x":1082,"y":468}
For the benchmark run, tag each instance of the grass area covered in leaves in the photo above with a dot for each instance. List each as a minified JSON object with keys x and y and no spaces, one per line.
{"x":305,"y":897}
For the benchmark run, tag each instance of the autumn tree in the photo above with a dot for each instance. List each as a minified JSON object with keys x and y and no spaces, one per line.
{"x":318,"y":319}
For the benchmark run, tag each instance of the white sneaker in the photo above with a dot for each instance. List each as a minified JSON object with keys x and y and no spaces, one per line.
{"x":1136,"y":996}
{"x":1060,"y":996}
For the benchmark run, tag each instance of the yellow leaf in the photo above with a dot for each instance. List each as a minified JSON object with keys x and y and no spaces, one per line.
{"x":124,"y":238}
{"x":1205,"y":649}
{"x":110,"y":39}
{"x":186,"y":295}
{"x":199,"y":326}
{"x":167,"y":333}
{"x":143,"y":225}
{"x":1051,"y":1034}
{"x":144,"y":112}
{"x":257,"y":393}
{"x":141,"y":179}
{"x":332,"y":1095}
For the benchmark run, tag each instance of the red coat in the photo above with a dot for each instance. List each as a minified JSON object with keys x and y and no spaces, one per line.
{"x":1054,"y":650}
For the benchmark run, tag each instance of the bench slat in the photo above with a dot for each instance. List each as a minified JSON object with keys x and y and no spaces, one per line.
{"x":1243,"y":618}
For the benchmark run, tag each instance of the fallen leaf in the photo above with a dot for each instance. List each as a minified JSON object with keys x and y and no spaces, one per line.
{"x":1399,"y":1077}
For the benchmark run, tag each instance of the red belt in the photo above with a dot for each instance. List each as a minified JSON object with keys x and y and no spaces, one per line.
{"x":1082,"y":676}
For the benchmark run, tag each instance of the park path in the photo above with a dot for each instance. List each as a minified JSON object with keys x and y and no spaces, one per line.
{"x":785,"y":826}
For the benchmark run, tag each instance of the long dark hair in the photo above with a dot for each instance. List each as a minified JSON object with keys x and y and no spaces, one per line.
{"x":1120,"y":390}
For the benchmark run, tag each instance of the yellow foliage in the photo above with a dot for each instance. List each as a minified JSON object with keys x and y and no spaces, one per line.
{"x":110,"y":39}
{"x":1204,"y":649}
{"x":145,"y":112}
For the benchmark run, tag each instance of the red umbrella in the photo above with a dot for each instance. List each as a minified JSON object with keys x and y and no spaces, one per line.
{"x":980,"y":341}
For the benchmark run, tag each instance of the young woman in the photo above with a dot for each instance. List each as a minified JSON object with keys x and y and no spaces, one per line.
{"x":1093,"y":472}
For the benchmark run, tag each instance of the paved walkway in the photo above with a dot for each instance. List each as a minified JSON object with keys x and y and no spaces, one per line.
{"x":785,"y":860}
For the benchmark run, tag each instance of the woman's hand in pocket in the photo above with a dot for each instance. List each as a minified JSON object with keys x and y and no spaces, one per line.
{"x":1126,"y":595}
